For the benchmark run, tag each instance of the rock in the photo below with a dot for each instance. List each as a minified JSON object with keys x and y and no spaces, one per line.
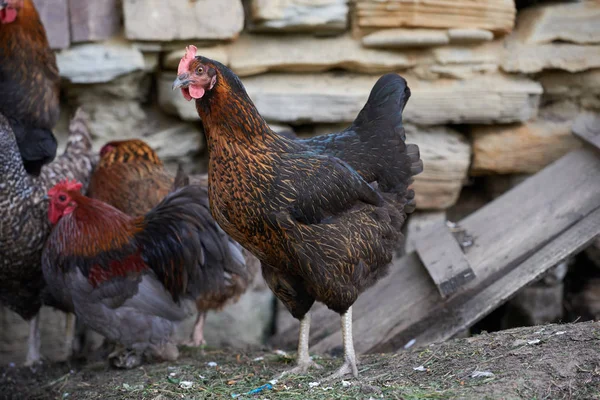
{"x":53,"y":14}
{"x":575,"y":22}
{"x":336,"y":97}
{"x":524,"y":148}
{"x":131,"y":86}
{"x":446,"y":156}
{"x":99,"y":62}
{"x":417,"y":223}
{"x":494,"y":15}
{"x":256,"y":54}
{"x":581,"y":87}
{"x":534,"y":305}
{"x":94,"y":20}
{"x":593,"y":252}
{"x":531,"y":48}
{"x":465,"y":35}
{"x":183,"y":20}
{"x":321,"y":16}
{"x":217,"y":53}
{"x":14,"y":332}
{"x":399,"y":38}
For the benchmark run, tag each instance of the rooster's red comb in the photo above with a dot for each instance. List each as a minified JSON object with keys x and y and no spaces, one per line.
{"x":66,"y":186}
{"x":184,"y":64}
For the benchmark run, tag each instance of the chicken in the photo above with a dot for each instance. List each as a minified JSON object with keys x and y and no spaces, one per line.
{"x":25,"y":226}
{"x":29,"y":83}
{"x":125,"y":276}
{"x":323,"y":215}
{"x":131,"y":177}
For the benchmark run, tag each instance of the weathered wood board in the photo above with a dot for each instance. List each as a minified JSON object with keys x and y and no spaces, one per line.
{"x":587,"y":128}
{"x":444,"y":259}
{"x":507,"y":233}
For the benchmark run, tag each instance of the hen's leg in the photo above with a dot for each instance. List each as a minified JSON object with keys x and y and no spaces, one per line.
{"x":304,"y":362}
{"x":197,"y":338}
{"x":33,"y":342}
{"x":69,"y":334}
{"x":349,"y":355}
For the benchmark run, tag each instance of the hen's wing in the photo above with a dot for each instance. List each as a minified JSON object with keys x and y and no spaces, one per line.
{"x":374,"y":145}
{"x":323,"y":186}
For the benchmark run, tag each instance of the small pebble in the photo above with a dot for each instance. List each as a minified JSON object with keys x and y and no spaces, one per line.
{"x":211,"y":364}
{"x":313,"y":384}
{"x":258,"y":359}
{"x":346,"y":383}
{"x":419,"y":368}
{"x":560,"y":333}
{"x":410,"y":343}
{"x":481,"y":374}
{"x":534,"y":341}
{"x":186,"y":384}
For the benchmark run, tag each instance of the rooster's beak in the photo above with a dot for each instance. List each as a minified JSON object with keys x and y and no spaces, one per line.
{"x":182,"y":80}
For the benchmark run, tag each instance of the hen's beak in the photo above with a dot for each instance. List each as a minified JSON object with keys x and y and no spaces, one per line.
{"x":182,"y":80}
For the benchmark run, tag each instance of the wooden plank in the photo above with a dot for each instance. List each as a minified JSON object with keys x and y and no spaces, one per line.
{"x":444,"y":259}
{"x":505,"y":232}
{"x":587,"y":127}
{"x":471,"y":307}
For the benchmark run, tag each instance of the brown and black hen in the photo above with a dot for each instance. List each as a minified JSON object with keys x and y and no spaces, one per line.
{"x":323,"y":214}
{"x":132,"y":178}
{"x":29,"y":83}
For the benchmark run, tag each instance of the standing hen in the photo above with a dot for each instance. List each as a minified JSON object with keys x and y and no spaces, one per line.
{"x":24,"y":223}
{"x":324,"y":214}
{"x":125,"y":276}
{"x":29,"y":82}
{"x":131,"y":177}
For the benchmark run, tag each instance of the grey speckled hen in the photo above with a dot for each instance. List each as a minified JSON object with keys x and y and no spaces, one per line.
{"x":24,"y":224}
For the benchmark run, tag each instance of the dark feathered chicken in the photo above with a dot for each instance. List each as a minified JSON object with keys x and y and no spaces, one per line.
{"x":323,"y":215}
{"x":29,"y":82}
{"x":24,"y":223}
{"x":131,"y":177}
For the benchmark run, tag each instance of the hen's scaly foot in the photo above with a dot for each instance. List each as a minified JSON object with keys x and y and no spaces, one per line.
{"x":125,"y":358}
{"x":300,"y":369}
{"x":348,"y":368}
{"x":33,"y":343}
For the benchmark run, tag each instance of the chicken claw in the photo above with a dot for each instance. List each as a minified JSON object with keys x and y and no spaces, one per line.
{"x":304,"y":362}
{"x":349,"y":366}
{"x":125,"y":358}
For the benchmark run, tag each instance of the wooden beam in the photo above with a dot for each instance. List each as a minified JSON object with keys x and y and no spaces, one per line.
{"x":444,"y":259}
{"x":587,"y":127}
{"x":505,"y":233}
{"x":471,"y":307}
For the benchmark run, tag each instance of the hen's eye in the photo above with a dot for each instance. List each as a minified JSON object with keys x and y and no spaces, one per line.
{"x":62,"y":197}
{"x":200,"y":70}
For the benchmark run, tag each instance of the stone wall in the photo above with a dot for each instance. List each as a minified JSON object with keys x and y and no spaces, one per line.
{"x":494,"y":92}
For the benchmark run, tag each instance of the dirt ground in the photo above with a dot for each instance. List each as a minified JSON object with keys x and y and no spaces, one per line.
{"x":549,"y":362}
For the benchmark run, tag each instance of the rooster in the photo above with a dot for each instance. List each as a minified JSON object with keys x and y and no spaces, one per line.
{"x":24,"y":224}
{"x":29,"y":83}
{"x":125,"y":276}
{"x":323,"y":215}
{"x":131,"y":177}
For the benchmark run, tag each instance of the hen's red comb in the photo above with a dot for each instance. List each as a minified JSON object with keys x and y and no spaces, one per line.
{"x":184,"y":64}
{"x":66,"y":186}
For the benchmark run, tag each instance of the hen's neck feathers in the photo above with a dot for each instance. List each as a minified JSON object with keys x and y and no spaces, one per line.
{"x":228,"y":112}
{"x":95,"y":227}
